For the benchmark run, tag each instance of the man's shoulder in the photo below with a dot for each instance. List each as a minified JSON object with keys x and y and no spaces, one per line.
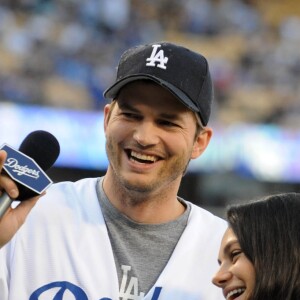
{"x":68,"y":194}
{"x":65,"y":188}
{"x":206,"y":216}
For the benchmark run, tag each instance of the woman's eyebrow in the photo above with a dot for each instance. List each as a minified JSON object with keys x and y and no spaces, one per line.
{"x":229,"y":245}
{"x":226,"y":249}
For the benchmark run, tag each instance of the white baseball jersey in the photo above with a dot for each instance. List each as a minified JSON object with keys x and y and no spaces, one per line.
{"x":63,"y":252}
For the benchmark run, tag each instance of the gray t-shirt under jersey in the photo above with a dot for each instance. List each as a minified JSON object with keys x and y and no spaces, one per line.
{"x":140,"y":250}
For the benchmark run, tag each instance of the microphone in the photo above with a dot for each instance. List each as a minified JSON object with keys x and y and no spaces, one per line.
{"x":44,"y":149}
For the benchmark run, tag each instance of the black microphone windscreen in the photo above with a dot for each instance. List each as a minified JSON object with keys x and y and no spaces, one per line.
{"x":41,"y":146}
{"x":44,"y":148}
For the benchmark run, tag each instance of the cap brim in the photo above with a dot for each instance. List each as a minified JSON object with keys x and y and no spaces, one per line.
{"x":113,"y":91}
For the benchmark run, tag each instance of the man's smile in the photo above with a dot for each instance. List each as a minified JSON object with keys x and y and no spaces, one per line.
{"x":141,"y":158}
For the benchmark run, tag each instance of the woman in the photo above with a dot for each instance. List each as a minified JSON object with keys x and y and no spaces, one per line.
{"x":259,"y":255}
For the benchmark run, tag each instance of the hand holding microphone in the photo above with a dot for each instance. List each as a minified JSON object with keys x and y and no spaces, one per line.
{"x":44,"y":149}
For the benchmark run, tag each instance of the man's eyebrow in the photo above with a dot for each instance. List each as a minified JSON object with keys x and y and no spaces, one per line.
{"x":166,"y":115}
{"x":124,"y":105}
{"x":170,"y":116}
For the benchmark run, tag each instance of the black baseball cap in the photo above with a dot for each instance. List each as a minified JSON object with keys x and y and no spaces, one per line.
{"x":183,"y":72}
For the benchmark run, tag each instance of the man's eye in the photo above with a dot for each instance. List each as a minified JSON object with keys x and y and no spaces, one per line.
{"x":167,"y":123}
{"x":130,"y":115}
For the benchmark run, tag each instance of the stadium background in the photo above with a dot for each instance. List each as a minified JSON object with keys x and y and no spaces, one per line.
{"x":57,"y":57}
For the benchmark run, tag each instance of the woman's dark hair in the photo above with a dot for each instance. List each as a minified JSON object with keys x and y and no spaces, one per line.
{"x":268,"y":231}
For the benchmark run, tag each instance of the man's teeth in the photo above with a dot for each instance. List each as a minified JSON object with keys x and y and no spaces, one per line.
{"x":143,"y":156}
{"x":236,"y":291}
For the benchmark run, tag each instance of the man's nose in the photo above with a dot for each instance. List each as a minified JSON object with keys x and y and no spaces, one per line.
{"x":146,"y":134}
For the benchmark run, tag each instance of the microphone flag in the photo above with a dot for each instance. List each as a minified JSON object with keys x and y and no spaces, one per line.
{"x":24,"y":170}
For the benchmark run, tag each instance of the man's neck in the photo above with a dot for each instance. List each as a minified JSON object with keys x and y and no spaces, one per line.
{"x":149,"y":208}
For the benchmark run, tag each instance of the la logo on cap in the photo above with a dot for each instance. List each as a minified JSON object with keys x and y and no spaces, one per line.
{"x":157,"y":58}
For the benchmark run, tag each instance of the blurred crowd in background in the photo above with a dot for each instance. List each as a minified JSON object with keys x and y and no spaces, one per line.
{"x":64,"y":53}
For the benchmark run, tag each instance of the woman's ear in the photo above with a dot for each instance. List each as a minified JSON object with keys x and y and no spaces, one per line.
{"x":201,"y":142}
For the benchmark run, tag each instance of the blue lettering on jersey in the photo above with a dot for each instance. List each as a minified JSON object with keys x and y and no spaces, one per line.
{"x":62,"y":286}
{"x":156,"y":293}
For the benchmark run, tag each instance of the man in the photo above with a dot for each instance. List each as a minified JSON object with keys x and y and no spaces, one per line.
{"x":127,"y":235}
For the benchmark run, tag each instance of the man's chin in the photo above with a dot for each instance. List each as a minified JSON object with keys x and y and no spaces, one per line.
{"x":138,"y":187}
{"x":138,"y":184}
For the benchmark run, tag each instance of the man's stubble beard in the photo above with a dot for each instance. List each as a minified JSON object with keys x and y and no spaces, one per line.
{"x":138,"y":192}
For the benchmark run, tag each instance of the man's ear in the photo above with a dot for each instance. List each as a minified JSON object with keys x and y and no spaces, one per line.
{"x":201,"y":142}
{"x":106,"y":112}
